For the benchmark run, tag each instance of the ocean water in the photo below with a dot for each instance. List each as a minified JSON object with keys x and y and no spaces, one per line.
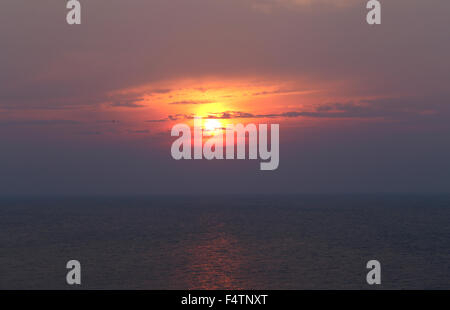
{"x":226,"y":242}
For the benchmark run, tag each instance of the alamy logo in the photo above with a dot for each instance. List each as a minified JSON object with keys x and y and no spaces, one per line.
{"x":237,"y":137}
{"x":74,"y":274}
{"x":374,"y":15}
{"x":74,"y":15}
{"x":374,"y":275}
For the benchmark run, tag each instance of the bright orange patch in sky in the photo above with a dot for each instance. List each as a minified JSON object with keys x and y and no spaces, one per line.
{"x":212,"y":97}
{"x":156,"y":107}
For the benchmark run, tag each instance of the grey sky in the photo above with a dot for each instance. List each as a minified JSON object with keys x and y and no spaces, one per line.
{"x":68,"y":127}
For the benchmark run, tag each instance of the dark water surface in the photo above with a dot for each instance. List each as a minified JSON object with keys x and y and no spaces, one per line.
{"x":226,"y":242}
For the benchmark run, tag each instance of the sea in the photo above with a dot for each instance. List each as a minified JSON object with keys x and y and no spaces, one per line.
{"x":276,"y":242}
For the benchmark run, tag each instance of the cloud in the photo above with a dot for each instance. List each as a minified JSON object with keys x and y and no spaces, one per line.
{"x":157,"y":120}
{"x":386,"y":108}
{"x":160,"y":91}
{"x":128,"y":101}
{"x":309,"y":40}
{"x":144,"y":131}
{"x":39,"y":122}
{"x":276,"y":92}
{"x":192,"y":102}
{"x":113,"y":121}
{"x":127,"y":105}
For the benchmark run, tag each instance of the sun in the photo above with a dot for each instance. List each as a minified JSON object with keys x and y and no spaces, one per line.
{"x":212,"y":126}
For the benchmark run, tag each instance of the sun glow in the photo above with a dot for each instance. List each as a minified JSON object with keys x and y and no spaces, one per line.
{"x":219,"y":102}
{"x":212,"y":126}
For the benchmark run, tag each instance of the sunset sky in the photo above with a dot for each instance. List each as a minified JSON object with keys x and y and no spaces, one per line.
{"x":88,"y":109}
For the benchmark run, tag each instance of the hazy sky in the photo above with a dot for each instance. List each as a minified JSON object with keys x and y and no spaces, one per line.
{"x":87,"y":109}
